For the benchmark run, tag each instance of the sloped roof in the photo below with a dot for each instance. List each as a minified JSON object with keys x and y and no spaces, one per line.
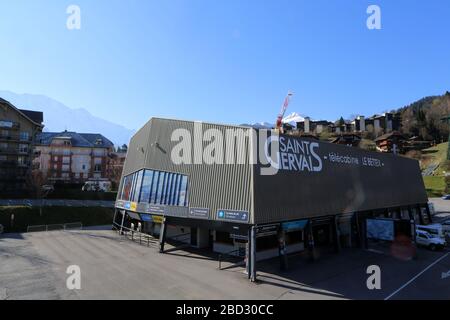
{"x":87,"y":140}
{"x":33,"y":116}
{"x":36,"y":116}
{"x":389,"y":135}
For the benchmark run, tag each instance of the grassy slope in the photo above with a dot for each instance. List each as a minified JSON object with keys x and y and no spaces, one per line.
{"x":435,"y":184}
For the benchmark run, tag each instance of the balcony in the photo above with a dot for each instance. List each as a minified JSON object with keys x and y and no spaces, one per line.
{"x":66,"y":153}
{"x":9,"y":125}
{"x":14,"y":163}
{"x":14,"y":151}
{"x":15,"y":138}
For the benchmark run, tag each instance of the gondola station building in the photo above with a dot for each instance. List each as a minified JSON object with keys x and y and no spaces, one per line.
{"x":242,"y":191}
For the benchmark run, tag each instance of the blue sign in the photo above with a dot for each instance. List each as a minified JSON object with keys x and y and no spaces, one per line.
{"x":294,"y":225}
{"x":127,"y":205}
{"x":241,"y":216}
{"x":146,"y":217}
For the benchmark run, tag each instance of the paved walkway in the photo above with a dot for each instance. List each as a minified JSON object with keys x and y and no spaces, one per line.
{"x":33,"y":266}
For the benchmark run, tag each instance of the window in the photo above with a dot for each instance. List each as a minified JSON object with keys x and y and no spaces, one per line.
{"x":126,"y":189}
{"x":146,"y":186}
{"x":157,"y":187}
{"x":21,"y":160}
{"x":6,"y":124}
{"x":169,"y":198}
{"x":176,"y":192}
{"x":133,"y":185}
{"x":24,"y":136}
{"x":154,"y":187}
{"x":3,"y":145}
{"x":2,"y":158}
{"x":98,"y":168}
{"x":182,"y":201}
{"x":159,"y":192}
{"x":23,"y":148}
{"x":137,"y":188}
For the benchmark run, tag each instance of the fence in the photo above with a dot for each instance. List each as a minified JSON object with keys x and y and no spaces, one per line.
{"x":55,"y":227}
{"x":135,"y":236}
{"x":56,"y":203}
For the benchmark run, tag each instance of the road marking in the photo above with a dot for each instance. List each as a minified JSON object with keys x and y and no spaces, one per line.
{"x":418,"y":275}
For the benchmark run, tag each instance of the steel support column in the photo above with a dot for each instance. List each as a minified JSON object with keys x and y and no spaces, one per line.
{"x":162,"y":235}
{"x":247,"y":253}
{"x":427,"y":208}
{"x":282,"y":252}
{"x":413,"y":231}
{"x":419,"y":208}
{"x":123,"y":220}
{"x":311,"y":246}
{"x":253,"y":254}
{"x":337,"y":242}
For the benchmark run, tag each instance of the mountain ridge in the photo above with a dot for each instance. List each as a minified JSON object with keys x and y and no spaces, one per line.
{"x":58,"y":117}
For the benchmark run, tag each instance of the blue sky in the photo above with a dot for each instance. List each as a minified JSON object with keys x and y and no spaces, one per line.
{"x":228,"y":61}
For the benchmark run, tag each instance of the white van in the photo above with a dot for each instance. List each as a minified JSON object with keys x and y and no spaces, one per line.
{"x":433,"y":229}
{"x":430,"y":241}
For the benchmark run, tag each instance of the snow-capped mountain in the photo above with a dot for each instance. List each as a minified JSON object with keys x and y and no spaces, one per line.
{"x":58,"y":117}
{"x":293,"y":118}
{"x":260,"y":125}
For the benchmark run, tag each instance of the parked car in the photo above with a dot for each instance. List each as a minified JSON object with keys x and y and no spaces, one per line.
{"x":97,"y":185}
{"x":446,"y":227}
{"x":430,"y":241}
{"x":446,"y":197}
{"x":433,"y":229}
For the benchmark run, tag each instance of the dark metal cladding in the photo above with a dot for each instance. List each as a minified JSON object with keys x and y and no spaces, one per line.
{"x":334,"y":179}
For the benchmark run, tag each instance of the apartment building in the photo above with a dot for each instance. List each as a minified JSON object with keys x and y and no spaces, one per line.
{"x":115,"y":167}
{"x":18,"y":131}
{"x":377,"y":125}
{"x":71,"y":157}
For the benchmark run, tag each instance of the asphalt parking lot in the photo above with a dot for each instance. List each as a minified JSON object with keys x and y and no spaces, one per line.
{"x":33,"y":266}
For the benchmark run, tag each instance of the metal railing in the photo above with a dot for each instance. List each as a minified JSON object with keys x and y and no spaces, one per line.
{"x":55,"y":227}
{"x":134,"y":235}
{"x":240,"y":251}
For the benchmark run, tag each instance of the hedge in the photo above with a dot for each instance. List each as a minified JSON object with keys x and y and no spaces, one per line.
{"x":26,"y":216}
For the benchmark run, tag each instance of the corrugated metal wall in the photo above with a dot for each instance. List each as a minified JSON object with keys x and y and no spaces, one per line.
{"x":214,"y":186}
